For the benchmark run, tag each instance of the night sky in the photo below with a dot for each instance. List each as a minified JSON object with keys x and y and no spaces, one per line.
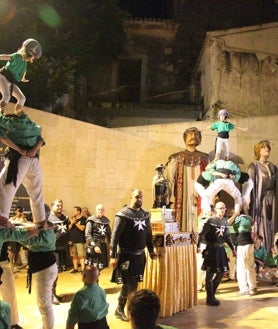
{"x":147,"y":8}
{"x":216,"y":12}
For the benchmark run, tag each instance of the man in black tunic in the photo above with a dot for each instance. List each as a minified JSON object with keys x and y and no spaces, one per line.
{"x":97,"y":233}
{"x":62,"y":254}
{"x":215,"y":232}
{"x":131,"y":234}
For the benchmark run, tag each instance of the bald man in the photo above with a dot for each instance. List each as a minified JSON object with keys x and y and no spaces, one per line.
{"x":131,"y":234}
{"x":97,"y":234}
{"x":89,"y":307}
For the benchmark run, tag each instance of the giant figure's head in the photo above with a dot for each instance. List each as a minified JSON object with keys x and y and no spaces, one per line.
{"x":192,"y":136}
{"x":262,"y":145}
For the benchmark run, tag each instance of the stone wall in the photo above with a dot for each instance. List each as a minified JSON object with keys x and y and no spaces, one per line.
{"x":241,"y":143}
{"x":85,"y":164}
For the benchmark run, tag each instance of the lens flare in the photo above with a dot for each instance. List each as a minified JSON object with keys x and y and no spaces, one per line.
{"x":49,"y":16}
{"x":7,"y":11}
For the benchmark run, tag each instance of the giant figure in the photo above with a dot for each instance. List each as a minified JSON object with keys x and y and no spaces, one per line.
{"x":183,"y":168}
{"x":264,"y":175}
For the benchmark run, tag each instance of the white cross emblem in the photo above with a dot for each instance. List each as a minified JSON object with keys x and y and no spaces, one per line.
{"x":62,"y":227}
{"x":140,"y":223}
{"x":220,"y":230}
{"x":102,"y":229}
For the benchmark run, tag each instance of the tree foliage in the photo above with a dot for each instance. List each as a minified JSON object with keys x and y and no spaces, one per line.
{"x":76,"y":36}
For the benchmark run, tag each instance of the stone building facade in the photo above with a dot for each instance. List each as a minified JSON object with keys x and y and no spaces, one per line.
{"x":146,"y":72}
{"x":238,"y":69}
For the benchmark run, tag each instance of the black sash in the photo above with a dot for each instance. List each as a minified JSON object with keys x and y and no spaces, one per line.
{"x":223,"y":134}
{"x":98,"y":324}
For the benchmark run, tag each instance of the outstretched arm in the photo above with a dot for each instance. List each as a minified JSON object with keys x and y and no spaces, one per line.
{"x":206,"y":128}
{"x":5,"y":57}
{"x":239,"y":128}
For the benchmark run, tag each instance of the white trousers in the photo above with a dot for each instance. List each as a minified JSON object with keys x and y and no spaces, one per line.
{"x":44,"y":281}
{"x":222,"y":144}
{"x":205,"y":201}
{"x":246,"y":274}
{"x":232,"y":264}
{"x":30,"y":175}
{"x":5,"y":87}
{"x":7,"y":290}
{"x":226,"y":185}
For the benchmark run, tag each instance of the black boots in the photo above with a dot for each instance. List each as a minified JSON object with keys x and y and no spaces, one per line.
{"x":120,"y":310}
{"x":211,"y":300}
{"x":211,"y":286}
{"x":121,"y":314}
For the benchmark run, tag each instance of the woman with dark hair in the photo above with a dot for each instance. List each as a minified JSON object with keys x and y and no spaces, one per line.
{"x":264,"y":175}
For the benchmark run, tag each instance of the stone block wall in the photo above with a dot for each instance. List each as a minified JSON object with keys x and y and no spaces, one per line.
{"x":241,"y":143}
{"x":85,"y":164}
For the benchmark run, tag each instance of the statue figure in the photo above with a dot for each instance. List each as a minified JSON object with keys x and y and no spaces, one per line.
{"x":160,"y":188}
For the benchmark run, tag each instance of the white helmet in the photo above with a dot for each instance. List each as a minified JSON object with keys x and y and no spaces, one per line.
{"x":32,"y":48}
{"x":223,"y":112}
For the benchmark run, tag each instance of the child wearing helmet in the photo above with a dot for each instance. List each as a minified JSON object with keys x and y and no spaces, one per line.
{"x":15,"y":71}
{"x":223,"y":127}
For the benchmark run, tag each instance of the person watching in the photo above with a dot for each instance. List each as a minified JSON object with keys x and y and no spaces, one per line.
{"x":143,"y":310}
{"x":97,"y":234}
{"x":89,"y":307}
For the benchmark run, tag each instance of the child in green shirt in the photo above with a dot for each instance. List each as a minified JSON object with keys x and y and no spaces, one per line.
{"x":15,"y":70}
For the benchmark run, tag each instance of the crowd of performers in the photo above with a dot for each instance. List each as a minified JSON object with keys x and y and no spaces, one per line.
{"x":253,"y":193}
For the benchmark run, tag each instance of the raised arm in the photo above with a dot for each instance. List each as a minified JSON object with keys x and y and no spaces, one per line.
{"x":232,"y":218}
